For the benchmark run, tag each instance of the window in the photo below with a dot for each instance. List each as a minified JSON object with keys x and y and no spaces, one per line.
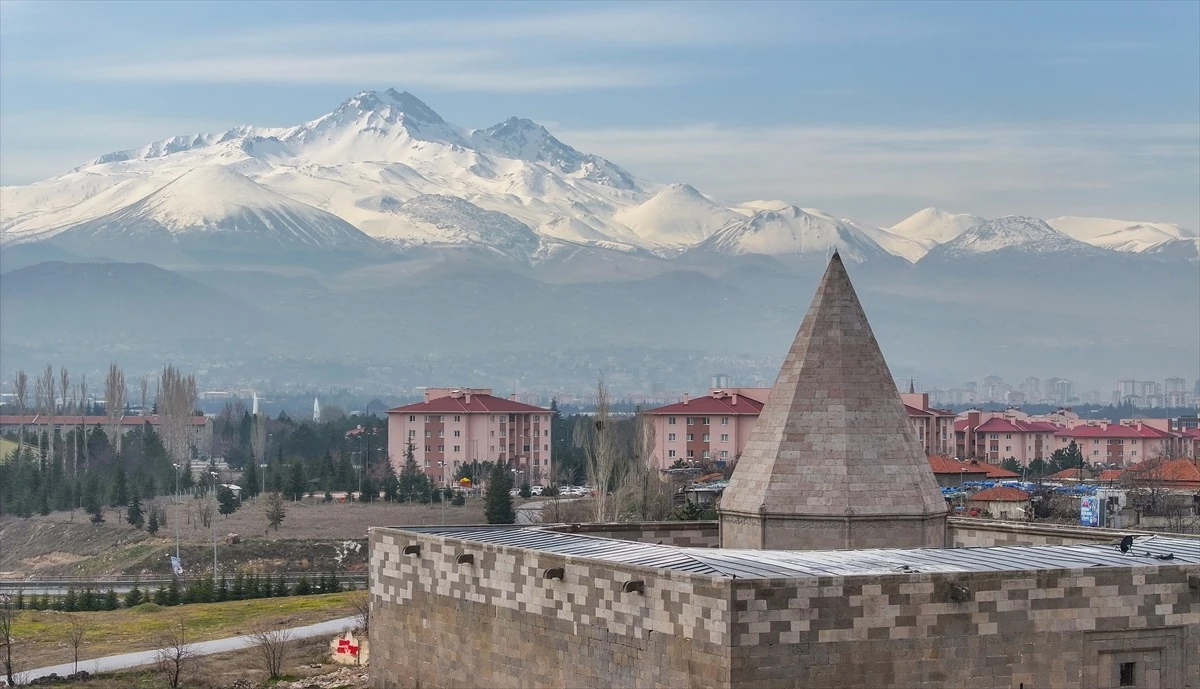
{"x":691,"y":420}
{"x":670,"y":453}
{"x":502,"y":434}
{"x":671,"y":437}
{"x":1095,"y":452}
{"x":512,"y":417}
{"x":428,"y":434}
{"x":546,"y":447}
{"x":691,"y":454}
{"x":1008,"y":436}
{"x":1096,"y":441}
{"x":441,"y":418}
{"x":427,"y":450}
{"x":670,"y":420}
{"x":705,"y":437}
{"x":724,"y":437}
{"x":427,"y":464}
{"x":724,"y":420}
{"x":457,"y":419}
{"x":493,"y":434}
{"x":1008,"y":448}
{"x":441,"y":434}
{"x":492,"y":448}
{"x":1133,"y":453}
{"x":412,"y":432}
{"x":705,"y":455}
{"x":995,"y":436}
{"x":706,"y":421}
{"x":428,"y":419}
{"x":456,"y":448}
{"x":690,"y":437}
{"x":1128,"y":674}
{"x":724,"y":454}
{"x":457,"y":434}
{"x":441,"y":448}
{"x":412,"y":419}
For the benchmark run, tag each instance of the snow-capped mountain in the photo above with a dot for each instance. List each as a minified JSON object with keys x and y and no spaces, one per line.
{"x":929,"y":227}
{"x":792,"y":231}
{"x":384,"y":167}
{"x":1012,"y":232}
{"x":219,"y":209}
{"x":1122,"y":235}
{"x":677,"y":216}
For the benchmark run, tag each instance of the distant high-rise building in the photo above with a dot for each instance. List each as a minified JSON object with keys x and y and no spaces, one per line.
{"x":1146,"y":388}
{"x":1171,"y":385}
{"x":722,"y":380}
{"x":254,"y":405}
{"x":316,"y":409}
{"x":1032,"y":387}
{"x":1059,"y":390}
{"x":1126,"y":388}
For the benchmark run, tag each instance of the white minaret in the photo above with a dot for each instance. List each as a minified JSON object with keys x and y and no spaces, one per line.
{"x":254,"y":409}
{"x":316,"y":409}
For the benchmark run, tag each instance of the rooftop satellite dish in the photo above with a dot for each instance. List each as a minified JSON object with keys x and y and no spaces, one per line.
{"x":1126,"y":544}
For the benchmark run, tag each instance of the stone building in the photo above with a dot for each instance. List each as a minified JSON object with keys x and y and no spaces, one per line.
{"x":833,"y":565}
{"x":833,"y":461}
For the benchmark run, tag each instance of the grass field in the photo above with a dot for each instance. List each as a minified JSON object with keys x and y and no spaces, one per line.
{"x":65,"y":544}
{"x":41,"y":636}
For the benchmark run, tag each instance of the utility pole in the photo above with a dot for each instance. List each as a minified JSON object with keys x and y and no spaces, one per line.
{"x":176,"y":517}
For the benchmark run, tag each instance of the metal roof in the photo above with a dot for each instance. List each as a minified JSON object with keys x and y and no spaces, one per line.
{"x":771,"y":564}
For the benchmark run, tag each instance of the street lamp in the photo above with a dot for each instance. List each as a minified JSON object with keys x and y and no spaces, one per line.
{"x":176,"y":517}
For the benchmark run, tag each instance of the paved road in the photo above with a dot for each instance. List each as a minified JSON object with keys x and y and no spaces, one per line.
{"x":128,"y":660}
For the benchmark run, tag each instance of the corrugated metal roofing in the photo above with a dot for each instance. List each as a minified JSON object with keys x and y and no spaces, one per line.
{"x":760,"y":564}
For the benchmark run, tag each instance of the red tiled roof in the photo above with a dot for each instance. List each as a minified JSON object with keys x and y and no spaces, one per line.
{"x":961,"y":425}
{"x":1110,"y":475}
{"x":993,"y":470}
{"x":64,"y":420}
{"x":480,"y":404}
{"x":946,"y":465}
{"x":1000,"y":494}
{"x":1113,"y":430}
{"x":1074,"y":474}
{"x":711,"y":406}
{"x":1173,"y":471}
{"x":998,"y":425}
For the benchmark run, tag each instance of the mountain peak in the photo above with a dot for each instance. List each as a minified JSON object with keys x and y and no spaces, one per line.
{"x":403,"y":103}
{"x":932,"y":226}
{"x":1029,"y":235}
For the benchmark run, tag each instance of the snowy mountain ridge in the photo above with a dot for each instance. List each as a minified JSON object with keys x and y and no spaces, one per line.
{"x":391,"y":168}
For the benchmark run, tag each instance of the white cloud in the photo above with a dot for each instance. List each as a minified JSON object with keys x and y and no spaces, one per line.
{"x":843,"y":166}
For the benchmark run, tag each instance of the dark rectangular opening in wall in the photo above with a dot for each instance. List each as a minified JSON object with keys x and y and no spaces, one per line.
{"x":1128,"y":674}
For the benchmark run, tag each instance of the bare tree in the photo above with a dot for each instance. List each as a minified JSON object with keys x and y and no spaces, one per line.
{"x":114,"y":404}
{"x":21,"y":392}
{"x":258,"y":438}
{"x":46,"y":384}
{"x":601,"y":452}
{"x":275,"y":510}
{"x":176,"y":654}
{"x":77,"y":632}
{"x":8,"y":616}
{"x":145,"y":389}
{"x":360,"y":602}
{"x":64,"y":387}
{"x":205,"y":510}
{"x":272,"y":646}
{"x":642,"y":493}
{"x":83,"y":392}
{"x":176,"y":401}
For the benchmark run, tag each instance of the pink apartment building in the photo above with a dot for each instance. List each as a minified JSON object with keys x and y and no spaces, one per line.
{"x":718,"y":425}
{"x":452,"y":427}
{"x":1123,"y":443}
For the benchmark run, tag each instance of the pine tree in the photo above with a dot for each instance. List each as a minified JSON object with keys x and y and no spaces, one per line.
{"x":134,"y":514}
{"x":303,"y":588}
{"x":152,"y":525}
{"x":250,"y":484}
{"x":160,"y":596}
{"x":87,"y":600}
{"x":43,"y":502}
{"x":414,"y":484}
{"x":91,"y":500}
{"x":134,"y":597}
{"x":525,"y":491}
{"x":498,"y":504}
{"x":120,"y":489}
{"x":226,"y":501}
{"x":222,"y":592}
{"x":173,"y":595}
{"x":370,"y":492}
{"x":70,"y":602}
{"x":297,"y":486}
{"x":110,"y":599}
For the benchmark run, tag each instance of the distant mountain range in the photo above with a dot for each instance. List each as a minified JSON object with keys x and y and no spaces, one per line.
{"x":461,"y":234}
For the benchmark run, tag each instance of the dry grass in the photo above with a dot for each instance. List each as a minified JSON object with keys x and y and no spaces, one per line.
{"x":57,"y":545}
{"x":221,"y":670}
{"x":42,"y":635}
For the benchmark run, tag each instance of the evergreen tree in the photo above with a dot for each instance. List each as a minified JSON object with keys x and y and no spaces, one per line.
{"x":120,"y":489}
{"x":160,"y":596}
{"x":414,"y":484}
{"x":20,"y":600}
{"x":43,"y":502}
{"x":498,"y":504}
{"x":226,"y":501}
{"x":222,"y":592}
{"x":297,"y":486}
{"x":134,"y":514}
{"x":303,"y":588}
{"x":391,"y":485}
{"x":152,"y":524}
{"x":110,"y":599}
{"x":252,"y":589}
{"x":134,"y":597}
{"x":87,"y":600}
{"x":70,"y":602}
{"x":173,"y":594}
{"x":91,"y":500}
{"x":525,"y":490}
{"x":250,"y":484}
{"x":459,"y":499}
{"x":328,"y":497}
{"x":370,"y":492}
{"x":238,"y":590}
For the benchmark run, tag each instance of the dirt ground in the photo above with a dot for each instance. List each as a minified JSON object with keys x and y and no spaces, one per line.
{"x":42,"y":636}
{"x":228,"y":670}
{"x":61,"y":544}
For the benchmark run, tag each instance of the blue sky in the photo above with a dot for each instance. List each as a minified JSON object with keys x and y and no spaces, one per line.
{"x":865,"y":110}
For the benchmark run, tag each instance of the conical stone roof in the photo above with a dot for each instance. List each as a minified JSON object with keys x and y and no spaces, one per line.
{"x":833,"y":461}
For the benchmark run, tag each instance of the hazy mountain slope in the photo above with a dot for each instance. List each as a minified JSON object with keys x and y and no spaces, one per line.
{"x":677,"y":216}
{"x":795,"y":232}
{"x":1121,"y":235}
{"x":1012,"y":232}
{"x":929,"y":227}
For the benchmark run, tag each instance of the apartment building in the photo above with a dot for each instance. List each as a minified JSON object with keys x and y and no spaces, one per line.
{"x":453,"y":426}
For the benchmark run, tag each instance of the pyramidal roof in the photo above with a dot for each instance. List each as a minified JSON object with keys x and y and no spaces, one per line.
{"x":833,"y":439}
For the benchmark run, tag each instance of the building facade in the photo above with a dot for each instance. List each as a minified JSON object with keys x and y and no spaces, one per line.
{"x":201,"y":437}
{"x":453,"y":427}
{"x":714,"y":427}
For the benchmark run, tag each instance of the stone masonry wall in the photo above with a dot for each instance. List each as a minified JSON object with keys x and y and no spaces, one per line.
{"x":682,"y":534}
{"x":1059,"y":628}
{"x":497,"y":622}
{"x":985,"y":533}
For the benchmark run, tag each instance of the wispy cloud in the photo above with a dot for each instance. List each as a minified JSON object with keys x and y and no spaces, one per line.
{"x":838,"y":164}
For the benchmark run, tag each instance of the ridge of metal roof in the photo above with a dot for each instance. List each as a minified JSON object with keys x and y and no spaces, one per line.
{"x":774,"y":564}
